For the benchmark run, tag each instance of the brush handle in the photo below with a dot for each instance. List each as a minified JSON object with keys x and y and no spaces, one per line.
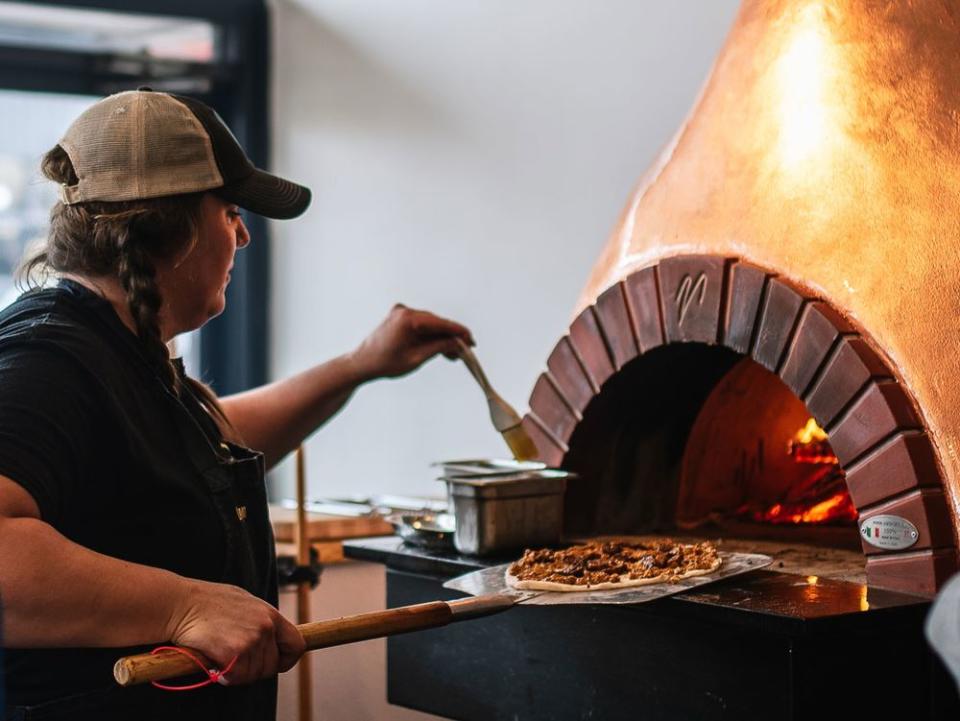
{"x":473,"y":365}
{"x":502,"y":413}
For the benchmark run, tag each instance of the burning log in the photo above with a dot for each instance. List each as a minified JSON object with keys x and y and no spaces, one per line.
{"x":821,"y":497}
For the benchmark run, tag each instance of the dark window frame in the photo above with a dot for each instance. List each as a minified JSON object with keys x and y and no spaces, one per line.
{"x":233,"y":346}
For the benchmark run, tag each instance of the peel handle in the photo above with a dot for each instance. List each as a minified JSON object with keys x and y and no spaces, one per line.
{"x":146,"y":667}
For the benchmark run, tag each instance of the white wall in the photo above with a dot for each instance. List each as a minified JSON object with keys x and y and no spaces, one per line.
{"x":469,"y":158}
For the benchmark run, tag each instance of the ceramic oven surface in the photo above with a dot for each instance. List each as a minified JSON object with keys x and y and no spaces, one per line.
{"x":801,"y":222}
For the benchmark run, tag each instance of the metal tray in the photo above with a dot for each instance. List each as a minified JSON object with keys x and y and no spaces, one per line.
{"x":547,"y":481}
{"x":501,"y":513}
{"x":426,"y":530}
{"x":487,"y":467}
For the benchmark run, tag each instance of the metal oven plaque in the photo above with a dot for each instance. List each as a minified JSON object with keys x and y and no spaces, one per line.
{"x":891,"y":532}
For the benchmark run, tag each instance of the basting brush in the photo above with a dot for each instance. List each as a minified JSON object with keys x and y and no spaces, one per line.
{"x":505,"y":419}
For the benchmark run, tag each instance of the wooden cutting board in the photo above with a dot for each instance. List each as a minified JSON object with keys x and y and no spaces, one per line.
{"x":322,"y":527}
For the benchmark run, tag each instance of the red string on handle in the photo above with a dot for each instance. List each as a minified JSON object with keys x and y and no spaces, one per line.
{"x":213,"y":675}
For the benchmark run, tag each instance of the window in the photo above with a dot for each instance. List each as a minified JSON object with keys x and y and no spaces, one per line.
{"x":56,"y":58}
{"x":32,"y":123}
{"x":101,"y":31}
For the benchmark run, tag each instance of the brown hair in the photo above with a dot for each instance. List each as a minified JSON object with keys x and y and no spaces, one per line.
{"x":122,"y":239}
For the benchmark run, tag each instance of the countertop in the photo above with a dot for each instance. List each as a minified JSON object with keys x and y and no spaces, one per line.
{"x":326,"y":533}
{"x":770,"y":598}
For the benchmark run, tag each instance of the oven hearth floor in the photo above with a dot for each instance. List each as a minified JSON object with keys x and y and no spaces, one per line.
{"x":802,"y":559}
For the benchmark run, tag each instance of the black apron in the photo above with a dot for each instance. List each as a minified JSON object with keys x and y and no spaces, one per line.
{"x":234,"y":478}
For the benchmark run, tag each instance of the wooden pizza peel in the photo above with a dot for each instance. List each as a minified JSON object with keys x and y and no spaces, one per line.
{"x":488,"y":594}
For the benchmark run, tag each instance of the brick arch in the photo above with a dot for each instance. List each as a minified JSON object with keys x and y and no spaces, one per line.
{"x":882,"y":445}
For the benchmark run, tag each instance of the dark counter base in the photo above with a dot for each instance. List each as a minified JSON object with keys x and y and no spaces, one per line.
{"x":603,"y":662}
{"x":713,"y":654}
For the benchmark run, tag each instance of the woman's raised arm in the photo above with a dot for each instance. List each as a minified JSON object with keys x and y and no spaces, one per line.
{"x":276,"y":418}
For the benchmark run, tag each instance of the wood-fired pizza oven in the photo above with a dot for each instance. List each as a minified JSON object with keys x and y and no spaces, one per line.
{"x":791,"y":254}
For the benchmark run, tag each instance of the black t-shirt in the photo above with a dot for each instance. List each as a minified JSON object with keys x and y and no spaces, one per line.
{"x":120,"y":464}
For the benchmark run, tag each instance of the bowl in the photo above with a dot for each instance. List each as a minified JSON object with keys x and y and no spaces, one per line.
{"x":433,"y":531}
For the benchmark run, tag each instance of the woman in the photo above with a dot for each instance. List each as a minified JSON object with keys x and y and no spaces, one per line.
{"x":132,"y":512}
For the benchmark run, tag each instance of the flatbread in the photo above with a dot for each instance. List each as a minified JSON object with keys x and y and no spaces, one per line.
{"x":611,"y":565}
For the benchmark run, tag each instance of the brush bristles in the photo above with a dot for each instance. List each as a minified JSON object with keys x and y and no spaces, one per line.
{"x":521,"y":445}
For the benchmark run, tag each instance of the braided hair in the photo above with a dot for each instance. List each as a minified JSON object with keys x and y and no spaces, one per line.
{"x":122,"y":239}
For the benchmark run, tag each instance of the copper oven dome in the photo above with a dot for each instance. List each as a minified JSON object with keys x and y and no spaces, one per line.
{"x":814,"y":189}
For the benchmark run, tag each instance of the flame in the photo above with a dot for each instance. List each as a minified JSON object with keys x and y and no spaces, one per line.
{"x":809,"y":445}
{"x":823,"y":510}
{"x":822,"y":497}
{"x":810,"y":432}
{"x":837,"y":507}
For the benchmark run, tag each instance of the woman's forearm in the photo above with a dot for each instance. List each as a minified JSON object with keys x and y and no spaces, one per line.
{"x":57,"y":593}
{"x":276,"y":418}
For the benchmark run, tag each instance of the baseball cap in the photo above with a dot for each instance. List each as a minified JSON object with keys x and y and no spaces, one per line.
{"x":142,"y":144}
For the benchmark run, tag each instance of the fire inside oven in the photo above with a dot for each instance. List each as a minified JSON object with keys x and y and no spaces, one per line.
{"x":695,"y":438}
{"x":754,"y":454}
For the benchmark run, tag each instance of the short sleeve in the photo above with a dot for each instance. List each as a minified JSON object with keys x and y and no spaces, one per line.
{"x":48,"y":416}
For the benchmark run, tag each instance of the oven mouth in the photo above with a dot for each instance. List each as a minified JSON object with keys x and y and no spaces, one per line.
{"x":629,"y":447}
{"x":631,"y":392}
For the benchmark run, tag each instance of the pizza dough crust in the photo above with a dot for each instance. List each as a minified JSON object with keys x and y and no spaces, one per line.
{"x":625,"y":581}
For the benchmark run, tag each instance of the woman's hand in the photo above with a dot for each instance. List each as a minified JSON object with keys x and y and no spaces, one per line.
{"x":405,"y":340}
{"x":223,"y":622}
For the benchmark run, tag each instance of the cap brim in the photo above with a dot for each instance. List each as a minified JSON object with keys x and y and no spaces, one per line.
{"x":267,"y":195}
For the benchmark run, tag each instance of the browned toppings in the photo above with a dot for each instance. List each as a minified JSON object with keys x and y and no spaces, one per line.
{"x":611,"y":561}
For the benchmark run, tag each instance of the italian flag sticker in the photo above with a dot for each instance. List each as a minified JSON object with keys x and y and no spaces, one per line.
{"x":889,"y":531}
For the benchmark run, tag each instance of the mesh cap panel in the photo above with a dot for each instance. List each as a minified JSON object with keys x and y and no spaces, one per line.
{"x":136,"y":145}
{"x":143,"y":144}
